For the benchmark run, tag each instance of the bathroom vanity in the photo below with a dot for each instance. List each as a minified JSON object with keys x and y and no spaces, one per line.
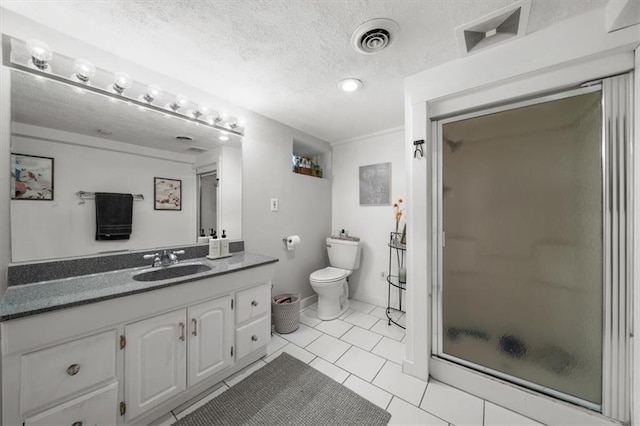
{"x":105,"y":349}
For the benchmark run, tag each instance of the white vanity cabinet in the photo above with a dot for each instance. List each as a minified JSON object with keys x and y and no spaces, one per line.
{"x":170,"y":352}
{"x":132,"y":359}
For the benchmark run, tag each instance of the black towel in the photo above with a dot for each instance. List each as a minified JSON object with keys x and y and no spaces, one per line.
{"x":113,"y":216}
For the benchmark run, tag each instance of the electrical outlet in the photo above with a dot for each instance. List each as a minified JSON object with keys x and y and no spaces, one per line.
{"x":274,"y":204}
{"x":383,"y":275}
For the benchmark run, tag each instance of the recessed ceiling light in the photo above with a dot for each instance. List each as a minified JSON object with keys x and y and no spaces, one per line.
{"x":350,"y":85}
{"x":224,"y":138}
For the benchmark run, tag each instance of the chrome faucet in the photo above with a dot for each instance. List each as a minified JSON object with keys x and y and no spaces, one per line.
{"x":167,"y":258}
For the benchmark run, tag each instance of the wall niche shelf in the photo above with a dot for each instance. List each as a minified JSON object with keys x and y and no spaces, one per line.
{"x":394,"y":277}
{"x":307,"y":165}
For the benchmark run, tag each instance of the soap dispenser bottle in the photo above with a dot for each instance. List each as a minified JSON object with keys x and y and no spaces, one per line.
{"x":224,"y":244}
{"x":214,"y":246}
{"x":202,"y":238}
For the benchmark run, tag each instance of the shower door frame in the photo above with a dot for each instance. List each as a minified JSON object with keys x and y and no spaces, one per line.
{"x":471,"y":376}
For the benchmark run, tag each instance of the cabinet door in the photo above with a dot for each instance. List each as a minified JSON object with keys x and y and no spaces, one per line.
{"x":155,"y":361}
{"x":210,"y":332}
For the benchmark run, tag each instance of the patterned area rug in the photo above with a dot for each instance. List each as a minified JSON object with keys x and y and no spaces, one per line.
{"x":287,"y":392}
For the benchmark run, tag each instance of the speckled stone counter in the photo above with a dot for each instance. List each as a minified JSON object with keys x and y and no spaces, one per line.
{"x":45,"y":296}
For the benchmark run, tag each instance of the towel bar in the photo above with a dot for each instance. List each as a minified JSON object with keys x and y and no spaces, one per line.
{"x":84,"y":195}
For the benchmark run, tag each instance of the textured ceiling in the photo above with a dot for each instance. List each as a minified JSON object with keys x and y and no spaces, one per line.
{"x":283,"y":58}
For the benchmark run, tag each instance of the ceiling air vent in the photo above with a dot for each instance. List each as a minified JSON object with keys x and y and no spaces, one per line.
{"x":502,"y":25}
{"x":196,"y":149}
{"x":374,"y":36}
{"x":184,"y":138}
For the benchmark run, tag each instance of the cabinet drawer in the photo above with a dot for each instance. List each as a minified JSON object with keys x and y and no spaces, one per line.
{"x":54,"y":373}
{"x":252,"y":336}
{"x":253,"y":302}
{"x":96,"y":408}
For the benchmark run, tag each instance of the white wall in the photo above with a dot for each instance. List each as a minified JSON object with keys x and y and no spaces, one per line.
{"x":565,"y":54}
{"x":63,"y":227}
{"x":304,"y":204}
{"x":371,"y":223}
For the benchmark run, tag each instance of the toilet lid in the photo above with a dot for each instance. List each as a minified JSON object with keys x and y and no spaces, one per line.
{"x":328,"y":274}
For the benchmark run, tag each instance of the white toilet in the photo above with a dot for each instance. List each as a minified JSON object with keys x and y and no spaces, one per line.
{"x":330,"y":283}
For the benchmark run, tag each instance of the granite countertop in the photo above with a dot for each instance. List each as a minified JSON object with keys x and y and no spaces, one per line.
{"x":36,"y":298}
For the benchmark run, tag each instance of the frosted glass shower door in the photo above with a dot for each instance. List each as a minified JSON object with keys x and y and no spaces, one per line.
{"x":522,"y":257}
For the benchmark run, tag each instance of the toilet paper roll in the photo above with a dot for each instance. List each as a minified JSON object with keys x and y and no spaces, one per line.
{"x":292,"y":242}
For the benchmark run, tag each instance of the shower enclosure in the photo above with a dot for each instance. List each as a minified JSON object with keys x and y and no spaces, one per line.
{"x":533,"y":251}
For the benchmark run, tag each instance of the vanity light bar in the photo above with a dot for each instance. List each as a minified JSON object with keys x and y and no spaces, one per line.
{"x":6,"y":60}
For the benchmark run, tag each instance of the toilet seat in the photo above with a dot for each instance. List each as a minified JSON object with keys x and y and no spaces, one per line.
{"x":328,"y":275}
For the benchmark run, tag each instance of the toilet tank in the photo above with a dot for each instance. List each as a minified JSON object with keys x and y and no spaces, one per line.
{"x":344,"y":254}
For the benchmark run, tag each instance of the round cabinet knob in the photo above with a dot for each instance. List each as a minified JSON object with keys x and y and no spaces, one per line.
{"x":72,"y":370}
{"x":77,"y":424}
{"x":254,"y":338}
{"x":254,"y":303}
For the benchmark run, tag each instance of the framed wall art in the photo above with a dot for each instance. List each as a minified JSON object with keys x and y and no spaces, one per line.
{"x":31,"y":177}
{"x":375,"y":185}
{"x":167,"y":194}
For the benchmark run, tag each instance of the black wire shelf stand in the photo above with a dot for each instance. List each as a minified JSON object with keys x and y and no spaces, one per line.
{"x":397,"y":250}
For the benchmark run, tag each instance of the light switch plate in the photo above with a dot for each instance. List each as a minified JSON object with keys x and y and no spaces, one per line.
{"x":274,"y":204}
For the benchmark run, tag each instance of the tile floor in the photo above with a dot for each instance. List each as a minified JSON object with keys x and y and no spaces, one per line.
{"x":361,"y":351}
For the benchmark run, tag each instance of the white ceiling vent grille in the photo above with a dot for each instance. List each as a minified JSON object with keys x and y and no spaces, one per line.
{"x":374,"y":36}
{"x":196,"y":149}
{"x":502,"y":25}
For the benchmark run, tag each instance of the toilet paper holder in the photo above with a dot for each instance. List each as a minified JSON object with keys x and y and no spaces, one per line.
{"x":291,"y":242}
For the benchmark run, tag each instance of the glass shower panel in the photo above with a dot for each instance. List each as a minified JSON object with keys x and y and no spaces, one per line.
{"x":522,"y":265}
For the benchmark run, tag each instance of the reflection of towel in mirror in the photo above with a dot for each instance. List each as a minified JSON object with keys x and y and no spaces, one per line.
{"x":113,"y":216}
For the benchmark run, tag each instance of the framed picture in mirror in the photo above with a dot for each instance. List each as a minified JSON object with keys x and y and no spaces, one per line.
{"x":167,"y":194}
{"x":31,"y":177}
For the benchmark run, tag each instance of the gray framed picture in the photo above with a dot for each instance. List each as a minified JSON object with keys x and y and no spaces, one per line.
{"x":167,"y":194}
{"x":31,"y":177}
{"x":375,"y":185}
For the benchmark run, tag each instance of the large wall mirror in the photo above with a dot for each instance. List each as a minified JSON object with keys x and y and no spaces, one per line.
{"x":99,"y":144}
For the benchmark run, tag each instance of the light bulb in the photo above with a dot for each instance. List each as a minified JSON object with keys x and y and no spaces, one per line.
{"x":242,"y":121}
{"x":203,"y":109}
{"x":224,"y":138}
{"x":121,"y":82}
{"x":179,"y":102}
{"x":350,"y":85}
{"x":153,"y":93}
{"x":41,"y":54}
{"x":224,"y":115}
{"x":83,"y":71}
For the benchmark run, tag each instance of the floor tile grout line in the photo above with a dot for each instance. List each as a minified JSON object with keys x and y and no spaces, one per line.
{"x":379,"y":370}
{"x":424,"y":394}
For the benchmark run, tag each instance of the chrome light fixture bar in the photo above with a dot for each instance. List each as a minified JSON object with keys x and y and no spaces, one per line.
{"x":140,"y":102}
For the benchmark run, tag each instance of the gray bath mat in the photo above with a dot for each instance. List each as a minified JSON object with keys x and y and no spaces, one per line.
{"x":287,"y":392}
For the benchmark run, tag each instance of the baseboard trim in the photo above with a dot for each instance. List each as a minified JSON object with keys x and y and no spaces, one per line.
{"x":308,"y":301}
